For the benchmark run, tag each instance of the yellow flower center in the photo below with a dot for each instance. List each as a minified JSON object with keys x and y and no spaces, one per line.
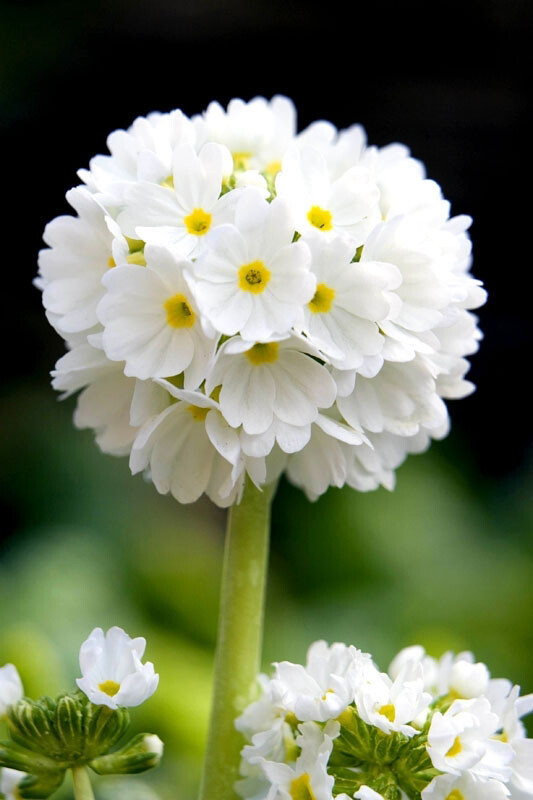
{"x":198,"y":413}
{"x":320,"y":217}
{"x":198,"y":222}
{"x":109,"y":687}
{"x":455,"y":795}
{"x":388,"y":711}
{"x":254,"y":277}
{"x":241,"y":159}
{"x":300,"y":788}
{"x":179,"y":312}
{"x":273,"y":168}
{"x":263,"y":353}
{"x":322,"y":300}
{"x":455,"y":749}
{"x":111,"y":263}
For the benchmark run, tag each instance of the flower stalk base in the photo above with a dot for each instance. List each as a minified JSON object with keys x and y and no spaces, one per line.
{"x":240,"y":633}
{"x":81,"y":784}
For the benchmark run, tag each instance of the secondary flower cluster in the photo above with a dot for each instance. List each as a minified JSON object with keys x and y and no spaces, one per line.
{"x":48,"y":736}
{"x":241,"y":299}
{"x":340,"y":728}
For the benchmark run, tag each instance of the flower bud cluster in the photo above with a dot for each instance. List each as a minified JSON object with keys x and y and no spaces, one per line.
{"x":240,"y":299}
{"x":49,"y":736}
{"x":431,"y":730}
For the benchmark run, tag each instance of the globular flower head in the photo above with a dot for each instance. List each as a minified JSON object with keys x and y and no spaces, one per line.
{"x":11,"y":689}
{"x":373,"y":736}
{"x":313,"y":286}
{"x":112,"y":672}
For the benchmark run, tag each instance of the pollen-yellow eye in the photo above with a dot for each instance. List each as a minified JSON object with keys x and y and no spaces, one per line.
{"x":320,"y":218}
{"x":198,"y":222}
{"x":254,"y":277}
{"x":109,"y":687}
{"x":322,"y":300}
{"x":455,"y":749}
{"x":300,"y":788}
{"x":179,"y":312}
{"x":198,"y":413}
{"x":263,"y":353}
{"x":455,"y":794}
{"x":388,"y":711}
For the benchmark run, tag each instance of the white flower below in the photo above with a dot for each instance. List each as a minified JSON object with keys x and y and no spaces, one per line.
{"x":464,"y":787}
{"x":11,"y":690}
{"x":112,"y":672}
{"x":392,"y":705}
{"x":9,"y":783}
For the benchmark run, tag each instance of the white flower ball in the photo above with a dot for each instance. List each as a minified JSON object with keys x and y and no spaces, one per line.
{"x":244,"y":299}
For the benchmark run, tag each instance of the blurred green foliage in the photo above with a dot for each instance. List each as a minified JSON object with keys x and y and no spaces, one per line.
{"x":445,"y":560}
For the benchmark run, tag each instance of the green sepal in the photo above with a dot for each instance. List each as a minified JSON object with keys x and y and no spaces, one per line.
{"x":366,"y":743}
{"x":140,"y":754}
{"x":66,"y":731}
{"x":13,"y":756}
{"x":40,"y":786}
{"x":414,"y":768}
{"x":103,"y":728}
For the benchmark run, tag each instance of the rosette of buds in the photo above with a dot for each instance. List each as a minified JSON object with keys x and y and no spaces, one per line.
{"x":339,"y":728}
{"x":241,"y":299}
{"x":80,"y":729}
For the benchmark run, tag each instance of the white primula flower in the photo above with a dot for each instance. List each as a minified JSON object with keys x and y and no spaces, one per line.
{"x":510,"y":707}
{"x":9,"y":783}
{"x":80,"y":252}
{"x":373,"y":465}
{"x":392,"y":705}
{"x":324,"y":207}
{"x":11,"y":689}
{"x":351,"y":300}
{"x":455,"y":675}
{"x":323,"y":462}
{"x":151,"y":321}
{"x":366,"y":793}
{"x":322,"y":689}
{"x":460,"y":739}
{"x":183,"y":209}
{"x":190,"y":449}
{"x":112,"y":672}
{"x":269,"y":379}
{"x":113,"y":405}
{"x":252,"y":279}
{"x":142,"y":152}
{"x":308,"y":776}
{"x":401,"y":399}
{"x":464,"y":787}
{"x":257,"y":133}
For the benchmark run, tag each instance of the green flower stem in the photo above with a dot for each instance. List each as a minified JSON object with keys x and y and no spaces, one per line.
{"x":240,"y":634}
{"x":81,"y":784}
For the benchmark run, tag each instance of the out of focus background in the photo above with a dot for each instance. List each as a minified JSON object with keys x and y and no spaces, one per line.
{"x":445,"y":560}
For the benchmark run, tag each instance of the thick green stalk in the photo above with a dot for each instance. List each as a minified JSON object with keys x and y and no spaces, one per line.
{"x":81,"y":784}
{"x":240,"y":635}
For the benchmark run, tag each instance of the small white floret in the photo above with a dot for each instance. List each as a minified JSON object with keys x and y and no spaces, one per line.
{"x":112,"y":671}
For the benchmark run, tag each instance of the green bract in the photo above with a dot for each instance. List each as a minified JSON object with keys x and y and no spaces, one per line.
{"x":389,"y":763}
{"x":48,"y":736}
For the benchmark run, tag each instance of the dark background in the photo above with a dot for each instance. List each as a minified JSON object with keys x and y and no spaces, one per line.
{"x":450,"y":79}
{"x":447,"y":558}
